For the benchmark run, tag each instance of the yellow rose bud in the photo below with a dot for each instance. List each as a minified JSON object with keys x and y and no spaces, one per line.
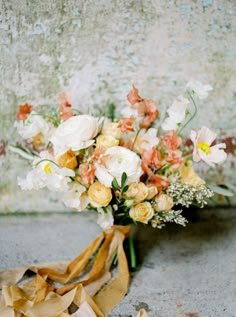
{"x":189,"y":176}
{"x":137,"y":191}
{"x":152,"y":191}
{"x":106,"y":141}
{"x":142,"y":212}
{"x":99,"y":195}
{"x":111,"y":128}
{"x":68,"y":160}
{"x":163,"y":203}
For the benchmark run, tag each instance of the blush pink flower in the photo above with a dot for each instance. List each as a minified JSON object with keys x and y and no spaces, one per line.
{"x":171,"y":140}
{"x":65,"y":109}
{"x":159,"y":182}
{"x":87,"y":173}
{"x":148,"y":111}
{"x":125,"y":124}
{"x":151,"y":160}
{"x":133,"y":96}
{"x":175,"y":158}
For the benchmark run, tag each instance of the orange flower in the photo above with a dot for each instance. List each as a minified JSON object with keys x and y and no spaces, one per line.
{"x":87,"y":173}
{"x":175,"y":158}
{"x":133,"y":96}
{"x":23,"y":111}
{"x":171,"y":140}
{"x":125,"y":124}
{"x":65,"y":109}
{"x":148,"y":110}
{"x":151,"y":160}
{"x":68,"y":160}
{"x":159,"y":181}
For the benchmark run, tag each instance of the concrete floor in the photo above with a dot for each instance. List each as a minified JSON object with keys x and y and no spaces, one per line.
{"x":182,"y":272}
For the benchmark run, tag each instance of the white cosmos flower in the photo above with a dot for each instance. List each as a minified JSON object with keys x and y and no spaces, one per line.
{"x":76,"y":133}
{"x":105,"y":219}
{"x":116,"y":161}
{"x":33,"y":125}
{"x":200,"y":89}
{"x":203,"y":150}
{"x":46,"y":174}
{"x":76,"y":197}
{"x":176,"y":114}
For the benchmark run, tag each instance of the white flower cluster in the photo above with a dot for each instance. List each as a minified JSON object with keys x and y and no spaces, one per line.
{"x":160,"y":218}
{"x":186,"y":195}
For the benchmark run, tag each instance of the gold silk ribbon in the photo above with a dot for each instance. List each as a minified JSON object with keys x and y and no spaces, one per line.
{"x":93,"y":294}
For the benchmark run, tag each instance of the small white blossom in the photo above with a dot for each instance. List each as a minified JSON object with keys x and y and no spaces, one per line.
{"x":76,"y":197}
{"x":200,"y":89}
{"x":105,"y":219}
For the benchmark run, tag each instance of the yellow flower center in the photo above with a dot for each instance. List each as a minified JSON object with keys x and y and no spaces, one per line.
{"x":47,"y":168}
{"x":204,"y":147}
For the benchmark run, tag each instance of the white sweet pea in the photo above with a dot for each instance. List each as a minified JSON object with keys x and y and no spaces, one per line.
{"x":176,"y":114}
{"x":200,"y":89}
{"x":146,"y":140}
{"x":203,"y":150}
{"x":76,"y":133}
{"x":105,"y":219}
{"x":46,"y":174}
{"x":115,"y":162}
{"x":33,"y":125}
{"x":76,"y":198}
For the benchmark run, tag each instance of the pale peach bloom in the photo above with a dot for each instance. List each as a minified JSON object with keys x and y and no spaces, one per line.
{"x":146,"y":140}
{"x":68,"y":160}
{"x":23,"y":111}
{"x":126,"y":124}
{"x":151,"y":160}
{"x":133,"y":96}
{"x":87,"y":173}
{"x":152,"y":191}
{"x":111,"y":128}
{"x":65,"y":109}
{"x":106,"y":141}
{"x":171,"y":140}
{"x":137,"y":191}
{"x":99,"y":195}
{"x":203,"y":148}
{"x":148,"y":111}
{"x":163,"y":202}
{"x":175,"y":158}
{"x":142,"y":212}
{"x":189,"y":176}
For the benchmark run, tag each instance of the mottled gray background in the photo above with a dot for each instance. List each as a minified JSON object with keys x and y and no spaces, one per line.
{"x":96,"y":49}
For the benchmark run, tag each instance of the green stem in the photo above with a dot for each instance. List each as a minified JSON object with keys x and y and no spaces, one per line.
{"x":133,"y":263}
{"x":135,"y":139}
{"x":43,"y":160}
{"x":192,"y":116}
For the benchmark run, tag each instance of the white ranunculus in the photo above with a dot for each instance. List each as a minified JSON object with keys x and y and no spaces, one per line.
{"x":76,"y":197}
{"x":76,"y":133}
{"x":46,"y":174}
{"x":105,"y":219}
{"x":116,"y":161}
{"x":176,"y":114}
{"x":34,"y":125}
{"x":200,"y":89}
{"x":203,"y":148}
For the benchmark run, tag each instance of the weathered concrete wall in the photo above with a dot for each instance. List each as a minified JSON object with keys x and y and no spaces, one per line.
{"x":97,"y":49}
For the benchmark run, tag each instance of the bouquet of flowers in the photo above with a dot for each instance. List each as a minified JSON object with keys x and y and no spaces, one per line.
{"x":130,"y":168}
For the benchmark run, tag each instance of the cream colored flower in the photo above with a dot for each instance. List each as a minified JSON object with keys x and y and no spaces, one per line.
{"x":152,"y":191}
{"x":203,"y":150}
{"x":99,"y":195}
{"x":146,"y":140}
{"x":142,"y":212}
{"x":111,"y":128}
{"x":106,"y":141}
{"x":116,"y":161}
{"x":137,"y":191}
{"x":76,"y":198}
{"x":189,"y":176}
{"x":163,"y":203}
{"x":76,"y":133}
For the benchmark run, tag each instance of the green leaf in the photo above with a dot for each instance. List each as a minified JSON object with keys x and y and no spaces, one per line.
{"x":124,"y":179}
{"x":111,"y":111}
{"x":220,"y":190}
{"x":115,"y":184}
{"x":125,"y":189}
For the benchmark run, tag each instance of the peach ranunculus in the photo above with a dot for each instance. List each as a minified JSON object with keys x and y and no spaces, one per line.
{"x":151,"y":160}
{"x":133,"y":96}
{"x":99,"y":195}
{"x":137,"y":191}
{"x":126,"y":124}
{"x":142,"y":212}
{"x":68,"y":160}
{"x":189,"y":176}
{"x":106,"y":141}
{"x":171,"y":140}
{"x":76,"y":133}
{"x":111,"y":128}
{"x":163,"y":203}
{"x":203,"y":148}
{"x":23,"y":111}
{"x":115,"y":162}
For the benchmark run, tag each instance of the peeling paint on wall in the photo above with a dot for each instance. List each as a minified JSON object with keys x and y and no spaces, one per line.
{"x":97,"y":49}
